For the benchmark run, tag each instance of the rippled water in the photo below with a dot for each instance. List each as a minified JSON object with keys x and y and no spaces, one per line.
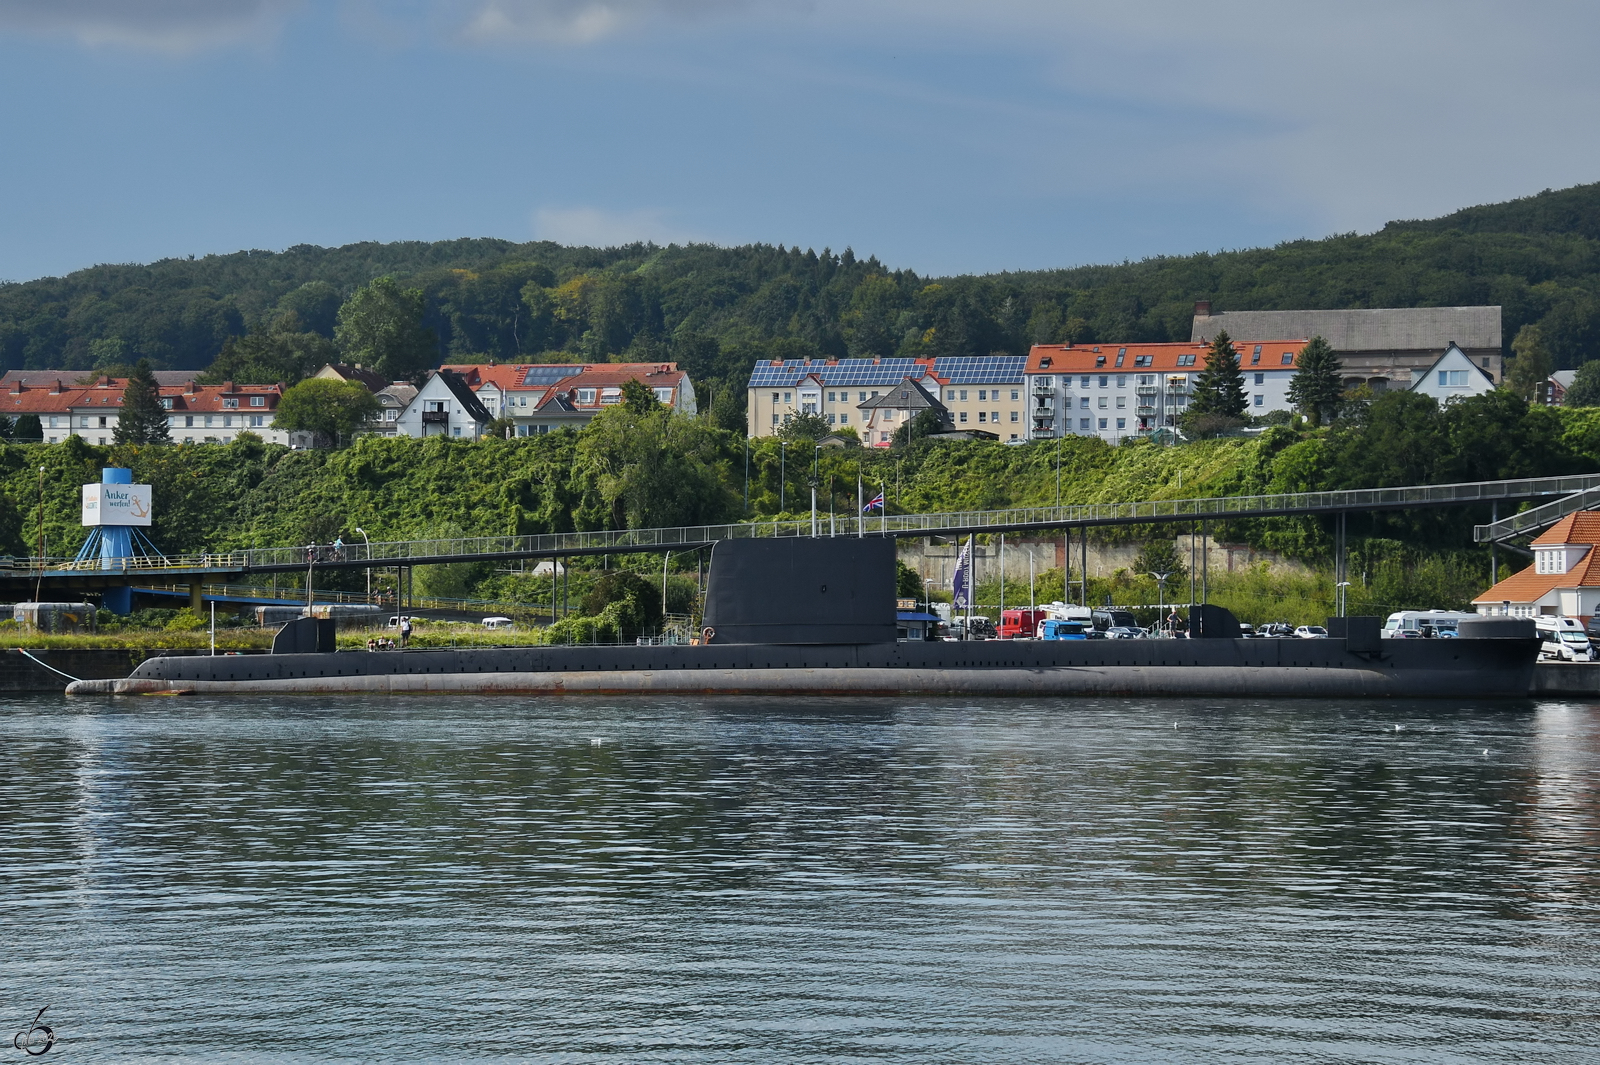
{"x":393,"y":879}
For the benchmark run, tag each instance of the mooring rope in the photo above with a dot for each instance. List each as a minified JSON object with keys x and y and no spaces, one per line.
{"x":46,"y":665}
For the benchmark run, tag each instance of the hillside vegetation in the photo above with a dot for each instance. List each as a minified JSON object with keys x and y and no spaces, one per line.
{"x":715,"y":310}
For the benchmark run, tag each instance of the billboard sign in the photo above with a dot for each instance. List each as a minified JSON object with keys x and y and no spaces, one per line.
{"x":116,"y":504}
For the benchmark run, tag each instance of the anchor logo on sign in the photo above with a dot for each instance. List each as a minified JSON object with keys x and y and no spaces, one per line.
{"x":138,"y":507}
{"x":37,"y":1039}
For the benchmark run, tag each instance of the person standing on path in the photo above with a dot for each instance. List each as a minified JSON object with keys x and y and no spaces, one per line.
{"x":405,"y":632}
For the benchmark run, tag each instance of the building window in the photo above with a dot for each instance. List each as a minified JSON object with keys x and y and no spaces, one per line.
{"x":775,"y":397}
{"x":1261,"y":379}
{"x":259,"y":420}
{"x":388,"y":416}
{"x":230,"y":402}
{"x":610,"y":397}
{"x":1102,"y":423}
{"x":1105,"y":380}
{"x":963,"y":395}
{"x":1260,"y":400}
{"x":950,"y":394}
{"x":1447,"y":378}
{"x":844,"y":419}
{"x":1014,"y":395}
{"x":1083,"y":382}
{"x":788,"y":397}
{"x":1185,"y":360}
{"x":1083,"y":401}
{"x":1142,"y":360}
{"x":963,"y":415}
{"x":455,"y":431}
{"x":1122,"y":380}
{"x":1102,"y":403}
{"x":1099,"y":360}
{"x":983,"y":395}
{"x":166,"y":402}
{"x":1121,"y":355}
{"x":1122,"y":402}
{"x":983,"y":416}
{"x":663,"y":395}
{"x":883,"y":437}
{"x":1255,"y":360}
{"x":833,"y":397}
{"x":1122,"y":423}
{"x":774,"y":417}
{"x":862,"y":396}
{"x":1083,"y":423}
{"x":830,"y":419}
{"x":1288,"y":358}
{"x":1014,"y":416}
{"x":585,"y":395}
{"x":188,"y":423}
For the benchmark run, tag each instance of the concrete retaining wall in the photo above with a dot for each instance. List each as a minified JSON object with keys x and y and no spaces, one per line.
{"x":1566,"y":678}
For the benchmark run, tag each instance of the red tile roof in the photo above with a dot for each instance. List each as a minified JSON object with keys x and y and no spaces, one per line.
{"x":1580,"y":528}
{"x":1099,"y":358}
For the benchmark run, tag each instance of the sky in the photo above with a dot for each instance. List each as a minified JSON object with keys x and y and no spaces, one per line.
{"x":940,"y":136}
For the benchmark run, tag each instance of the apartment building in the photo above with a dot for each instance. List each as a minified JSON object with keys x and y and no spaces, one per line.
{"x":1381,"y":347}
{"x":1122,"y":391}
{"x":980,"y":391}
{"x":197,"y":414}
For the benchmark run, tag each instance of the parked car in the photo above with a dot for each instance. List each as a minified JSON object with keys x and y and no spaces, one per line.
{"x":395,"y":619}
{"x":1124,"y":632}
{"x":498,"y":622}
{"x":1246,"y":632}
{"x":1311,"y":632}
{"x":1275,"y":630}
{"x":1020,"y":624}
{"x":1423,"y":624}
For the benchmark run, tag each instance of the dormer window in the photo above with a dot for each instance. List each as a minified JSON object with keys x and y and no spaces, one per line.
{"x":1044,"y":364}
{"x":1099,"y":360}
{"x":230,"y":402}
{"x":166,"y":402}
{"x":258,"y":401}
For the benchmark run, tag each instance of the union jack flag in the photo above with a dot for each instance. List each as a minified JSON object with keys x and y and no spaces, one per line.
{"x":875,"y":503}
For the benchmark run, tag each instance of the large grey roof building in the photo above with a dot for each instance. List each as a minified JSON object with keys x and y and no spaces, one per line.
{"x":1383,"y":347}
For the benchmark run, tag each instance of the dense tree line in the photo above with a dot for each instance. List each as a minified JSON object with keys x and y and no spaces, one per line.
{"x":276,"y":316}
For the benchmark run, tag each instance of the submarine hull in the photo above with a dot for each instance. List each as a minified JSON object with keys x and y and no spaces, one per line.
{"x":1461,"y":668}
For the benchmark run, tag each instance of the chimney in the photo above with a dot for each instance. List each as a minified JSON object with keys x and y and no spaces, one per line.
{"x":188,"y":389}
{"x":227,"y":386}
{"x":1202,"y":308}
{"x":17,"y":387}
{"x":55,"y":389}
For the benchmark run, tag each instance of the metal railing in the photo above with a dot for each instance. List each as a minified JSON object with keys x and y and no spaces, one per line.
{"x":428,"y":552}
{"x":1537,"y":518}
{"x":140,"y":564}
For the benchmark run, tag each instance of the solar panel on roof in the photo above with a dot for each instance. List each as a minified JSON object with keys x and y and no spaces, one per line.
{"x":548,"y":374}
{"x":981,"y":369}
{"x":846,"y":373}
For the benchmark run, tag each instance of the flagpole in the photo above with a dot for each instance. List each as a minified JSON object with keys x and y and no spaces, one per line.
{"x":861,"y":508}
{"x":883,"y":494}
{"x":972,"y":580}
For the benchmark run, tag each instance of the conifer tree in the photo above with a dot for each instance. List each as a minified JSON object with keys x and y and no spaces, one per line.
{"x":1316,"y":388}
{"x":1219,"y":390}
{"x":142,"y":419}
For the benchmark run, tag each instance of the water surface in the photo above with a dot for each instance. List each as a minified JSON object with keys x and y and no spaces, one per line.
{"x":736,"y":880}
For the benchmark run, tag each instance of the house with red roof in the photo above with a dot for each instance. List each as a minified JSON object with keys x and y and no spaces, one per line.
{"x":1564,"y":579}
{"x":1124,"y":391}
{"x":196,"y":413}
{"x":539,"y":397}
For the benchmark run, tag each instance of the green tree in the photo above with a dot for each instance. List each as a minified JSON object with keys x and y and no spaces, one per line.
{"x":1529,"y":376}
{"x":639,"y":601}
{"x":926,"y":422}
{"x":142,"y":419}
{"x":907,"y":582}
{"x":27,"y":428}
{"x":332,"y":411}
{"x":1585,"y":390}
{"x":380,"y":327}
{"x":657,"y":467}
{"x":806,"y":426}
{"x":1220,"y":387}
{"x":1160,"y":556}
{"x":1316,"y":389}
{"x":284,"y":353}
{"x":638,"y":397}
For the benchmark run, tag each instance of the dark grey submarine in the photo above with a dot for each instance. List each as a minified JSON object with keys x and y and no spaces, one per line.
{"x":817,"y":616}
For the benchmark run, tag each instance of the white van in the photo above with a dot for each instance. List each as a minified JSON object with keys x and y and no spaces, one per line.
{"x":1415,"y":624}
{"x":1563,"y":640}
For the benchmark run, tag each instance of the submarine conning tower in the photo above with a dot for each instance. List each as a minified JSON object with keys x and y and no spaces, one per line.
{"x":829,"y":590}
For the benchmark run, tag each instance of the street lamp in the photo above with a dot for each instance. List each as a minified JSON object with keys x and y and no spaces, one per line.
{"x":363,"y":534}
{"x":1161,"y":594}
{"x":783,"y":473}
{"x":1342,"y":585}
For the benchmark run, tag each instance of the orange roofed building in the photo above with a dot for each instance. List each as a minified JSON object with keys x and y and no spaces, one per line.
{"x":196,"y":413}
{"x":540,"y":397}
{"x":1564,"y":579}
{"x":1122,"y":391}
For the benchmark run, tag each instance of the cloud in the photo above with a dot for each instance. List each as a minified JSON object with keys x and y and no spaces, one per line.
{"x":596,"y":228}
{"x":160,"y":25}
{"x":571,"y":21}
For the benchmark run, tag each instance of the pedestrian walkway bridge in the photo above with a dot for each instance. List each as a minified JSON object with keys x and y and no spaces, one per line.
{"x":1574,"y":492}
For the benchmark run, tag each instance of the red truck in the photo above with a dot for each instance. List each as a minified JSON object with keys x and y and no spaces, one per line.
{"x":1016,"y":624}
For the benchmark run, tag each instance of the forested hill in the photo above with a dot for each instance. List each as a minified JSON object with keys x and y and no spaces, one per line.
{"x":717,"y":309}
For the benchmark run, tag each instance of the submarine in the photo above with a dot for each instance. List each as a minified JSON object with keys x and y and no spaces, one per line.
{"x":816,"y":616}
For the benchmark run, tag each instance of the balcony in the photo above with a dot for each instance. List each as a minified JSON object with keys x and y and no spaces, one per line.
{"x":1044,"y":403}
{"x":435,"y":417}
{"x":1146,"y":390}
{"x":1043,"y":386}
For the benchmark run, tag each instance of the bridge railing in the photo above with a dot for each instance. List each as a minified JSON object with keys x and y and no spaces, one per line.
{"x":1536,"y":517}
{"x":403,"y":552}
